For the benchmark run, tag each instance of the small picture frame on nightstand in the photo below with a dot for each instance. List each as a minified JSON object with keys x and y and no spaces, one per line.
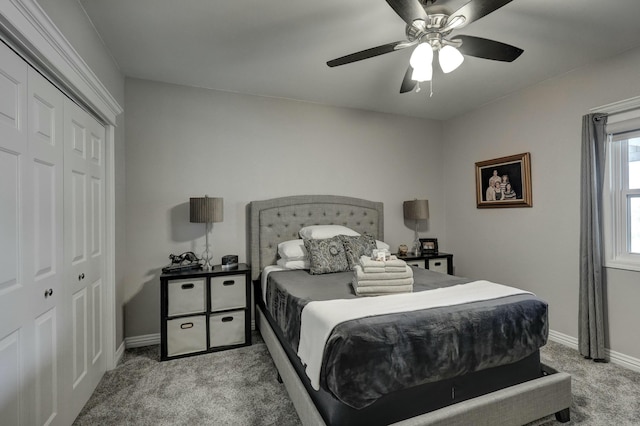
{"x":429,"y":245}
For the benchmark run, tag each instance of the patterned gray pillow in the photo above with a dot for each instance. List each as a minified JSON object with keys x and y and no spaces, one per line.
{"x":326,"y":256}
{"x":355,"y":247}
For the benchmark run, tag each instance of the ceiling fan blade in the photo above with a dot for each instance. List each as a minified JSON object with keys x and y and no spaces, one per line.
{"x":476,"y":9}
{"x":487,"y":49}
{"x":369,"y":53}
{"x":408,"y":10}
{"x":408,"y":84}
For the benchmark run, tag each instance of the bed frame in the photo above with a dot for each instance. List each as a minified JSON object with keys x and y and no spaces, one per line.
{"x":276,"y":220}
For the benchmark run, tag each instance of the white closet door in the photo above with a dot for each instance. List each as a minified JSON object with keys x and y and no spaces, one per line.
{"x":31,"y":149}
{"x":84,"y":249}
{"x":15,"y":331}
{"x":44,"y":243}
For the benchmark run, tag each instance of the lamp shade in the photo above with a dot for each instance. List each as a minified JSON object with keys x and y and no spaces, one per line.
{"x":422,"y":56}
{"x":416,"y":209}
{"x":450,"y":58}
{"x":205,"y":210}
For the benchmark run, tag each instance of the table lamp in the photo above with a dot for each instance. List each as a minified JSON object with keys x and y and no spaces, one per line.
{"x":206,"y":210}
{"x":416,"y":210}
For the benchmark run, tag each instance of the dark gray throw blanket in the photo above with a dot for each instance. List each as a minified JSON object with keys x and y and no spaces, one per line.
{"x":370,"y":357}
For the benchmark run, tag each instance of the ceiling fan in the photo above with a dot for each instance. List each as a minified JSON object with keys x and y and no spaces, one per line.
{"x":429,"y":32}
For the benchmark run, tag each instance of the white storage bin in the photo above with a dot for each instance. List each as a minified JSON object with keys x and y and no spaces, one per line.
{"x":186,"y":335}
{"x":418,"y":263}
{"x":228,"y":292}
{"x":186,"y":296}
{"x":439,"y":265}
{"x":226,"y":328}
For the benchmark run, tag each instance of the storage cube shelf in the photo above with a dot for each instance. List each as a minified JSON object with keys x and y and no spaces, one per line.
{"x":441,"y":262}
{"x":204,"y":311}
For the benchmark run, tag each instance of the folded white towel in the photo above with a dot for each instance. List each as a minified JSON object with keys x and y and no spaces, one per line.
{"x":376,"y":266}
{"x":386,"y":283}
{"x":367,"y":262}
{"x":394,"y":268}
{"x":374,"y":269}
{"x":382,"y":289}
{"x":359,"y":273}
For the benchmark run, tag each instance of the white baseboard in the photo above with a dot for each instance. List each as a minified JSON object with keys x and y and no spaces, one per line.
{"x":144,"y":340}
{"x":150,"y":339}
{"x":564,"y":339}
{"x":118,"y":355}
{"x":614,"y":357}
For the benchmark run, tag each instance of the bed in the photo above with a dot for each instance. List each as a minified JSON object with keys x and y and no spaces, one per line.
{"x":511,"y":393}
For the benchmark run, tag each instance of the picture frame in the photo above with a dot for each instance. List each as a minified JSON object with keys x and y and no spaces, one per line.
{"x":429,"y":246}
{"x":512,"y":191}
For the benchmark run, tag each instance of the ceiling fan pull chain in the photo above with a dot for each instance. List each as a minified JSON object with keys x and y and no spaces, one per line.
{"x":431,"y":88}
{"x":418,"y":87}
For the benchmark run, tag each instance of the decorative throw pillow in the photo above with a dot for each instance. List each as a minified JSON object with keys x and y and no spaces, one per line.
{"x":326,"y":256}
{"x":355,"y":247}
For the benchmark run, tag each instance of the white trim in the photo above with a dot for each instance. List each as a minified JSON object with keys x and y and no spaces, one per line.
{"x":119,"y":353}
{"x":618,"y":107}
{"x":144,"y":340}
{"x":615,"y":209}
{"x":38,"y":36}
{"x":563,"y":339}
{"x":614,"y":357}
{"x":110,"y":247}
{"x":33,"y":32}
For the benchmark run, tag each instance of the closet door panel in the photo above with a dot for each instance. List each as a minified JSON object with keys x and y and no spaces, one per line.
{"x":16,"y":332}
{"x":46,"y":354}
{"x":44,"y":240}
{"x":10,"y":367}
{"x":84,"y":241}
{"x":10,"y":224}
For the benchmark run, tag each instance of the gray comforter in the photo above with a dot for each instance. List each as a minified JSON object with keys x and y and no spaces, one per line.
{"x":368,"y":358}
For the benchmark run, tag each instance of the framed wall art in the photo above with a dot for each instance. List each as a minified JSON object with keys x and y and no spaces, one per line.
{"x":504,"y":182}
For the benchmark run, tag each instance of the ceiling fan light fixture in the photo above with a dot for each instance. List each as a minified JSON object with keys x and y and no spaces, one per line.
{"x":455,"y":22}
{"x":450,"y":58}
{"x":421,"y":57}
{"x":422,"y":74}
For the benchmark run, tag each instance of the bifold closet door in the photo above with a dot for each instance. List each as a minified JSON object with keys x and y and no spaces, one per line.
{"x":31,"y":244}
{"x":84,"y":199}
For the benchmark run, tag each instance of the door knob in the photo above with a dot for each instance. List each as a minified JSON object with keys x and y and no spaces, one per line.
{"x":48,"y":293}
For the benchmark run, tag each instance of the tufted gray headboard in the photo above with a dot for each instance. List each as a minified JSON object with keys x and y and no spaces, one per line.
{"x":279,"y":219}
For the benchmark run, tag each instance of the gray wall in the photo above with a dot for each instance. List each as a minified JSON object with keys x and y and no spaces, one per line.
{"x":71,"y":19}
{"x":186,"y":142}
{"x":537,"y":248}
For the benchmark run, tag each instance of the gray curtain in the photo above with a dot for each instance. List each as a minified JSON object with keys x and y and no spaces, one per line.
{"x":591,"y":306}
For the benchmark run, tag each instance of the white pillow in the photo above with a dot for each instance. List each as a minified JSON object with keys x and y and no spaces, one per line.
{"x":292,"y":250}
{"x":382,"y":245}
{"x":322,"y":232}
{"x":294,"y":264}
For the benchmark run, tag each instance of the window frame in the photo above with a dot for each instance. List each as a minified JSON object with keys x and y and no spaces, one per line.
{"x":616,"y":205}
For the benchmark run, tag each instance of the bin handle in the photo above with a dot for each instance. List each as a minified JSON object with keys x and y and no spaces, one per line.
{"x":229,"y":282}
{"x":187,"y":286}
{"x":227,"y":319}
{"x":186,"y":325}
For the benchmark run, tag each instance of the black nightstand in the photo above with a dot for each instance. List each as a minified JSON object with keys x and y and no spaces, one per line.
{"x":204,"y":311}
{"x":441,"y":262}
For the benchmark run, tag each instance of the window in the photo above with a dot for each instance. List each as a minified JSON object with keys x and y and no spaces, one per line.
{"x":621,"y":195}
{"x":622,"y":202}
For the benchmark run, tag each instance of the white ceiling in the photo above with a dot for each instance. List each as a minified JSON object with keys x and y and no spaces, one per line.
{"x":279,"y":48}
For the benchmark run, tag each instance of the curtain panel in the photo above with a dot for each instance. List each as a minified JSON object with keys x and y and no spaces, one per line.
{"x":591,"y":334}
